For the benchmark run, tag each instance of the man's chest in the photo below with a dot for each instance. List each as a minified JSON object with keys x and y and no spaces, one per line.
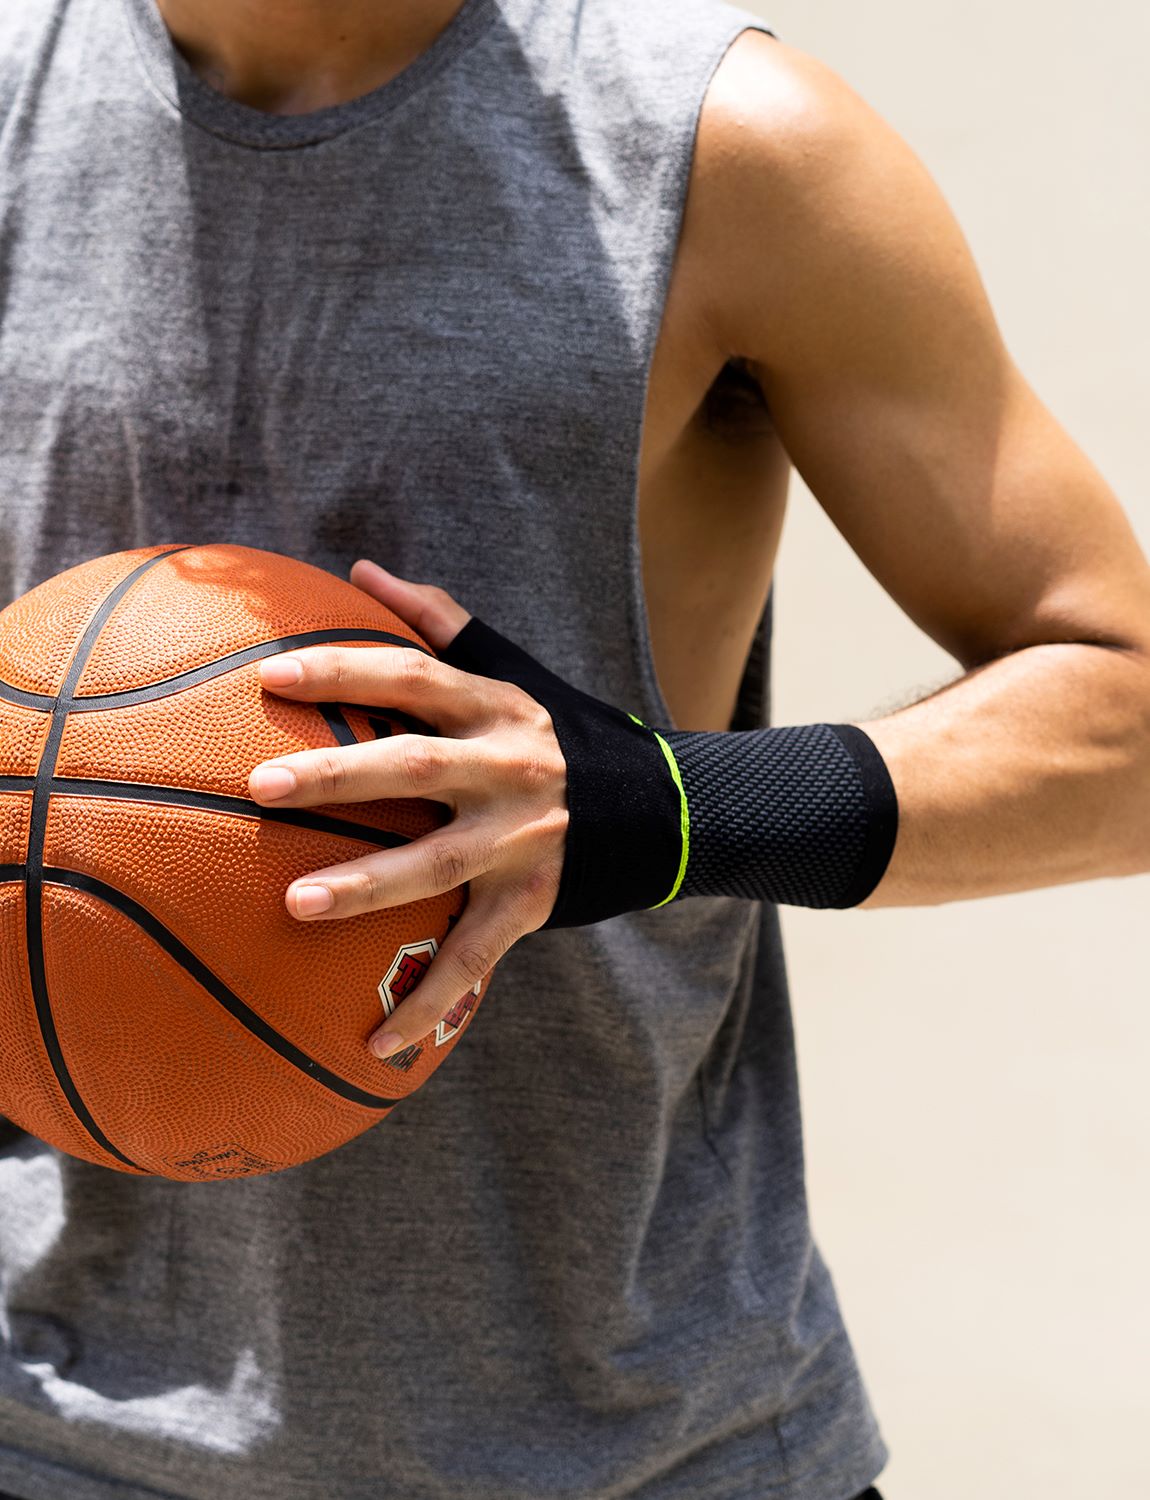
{"x":232,"y":356}
{"x":224,"y":354}
{"x":245,"y":332}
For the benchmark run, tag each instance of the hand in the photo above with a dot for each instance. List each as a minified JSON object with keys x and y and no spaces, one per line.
{"x":494,"y":761}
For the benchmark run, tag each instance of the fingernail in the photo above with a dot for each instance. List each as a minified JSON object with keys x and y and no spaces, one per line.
{"x":384,"y":1043}
{"x":312,"y":899}
{"x":281,"y":671}
{"x":273,"y":781}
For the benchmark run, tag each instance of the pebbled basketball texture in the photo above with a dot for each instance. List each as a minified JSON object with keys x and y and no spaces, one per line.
{"x":161,"y":1013}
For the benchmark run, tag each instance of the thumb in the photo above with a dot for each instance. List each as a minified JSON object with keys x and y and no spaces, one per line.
{"x":431,"y":612}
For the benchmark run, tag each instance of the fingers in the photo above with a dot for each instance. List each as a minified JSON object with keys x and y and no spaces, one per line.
{"x":428,"y":866}
{"x":467,"y":955}
{"x":406,"y":765}
{"x":385,"y":676}
{"x":431,"y":612}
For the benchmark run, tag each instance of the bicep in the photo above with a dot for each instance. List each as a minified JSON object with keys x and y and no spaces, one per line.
{"x":850,"y":289}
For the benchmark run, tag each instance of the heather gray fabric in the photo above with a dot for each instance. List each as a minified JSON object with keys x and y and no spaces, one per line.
{"x":416,"y":327}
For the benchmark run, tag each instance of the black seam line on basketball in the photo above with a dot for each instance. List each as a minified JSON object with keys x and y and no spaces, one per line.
{"x":12,"y":873}
{"x":87,"y":702}
{"x":42,"y":702}
{"x":215,"y":986}
{"x":146,"y":791}
{"x":178,"y":796}
{"x":37,"y":830}
{"x":342,"y":731}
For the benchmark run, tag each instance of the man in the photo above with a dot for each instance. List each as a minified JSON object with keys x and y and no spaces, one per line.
{"x":450,"y":287}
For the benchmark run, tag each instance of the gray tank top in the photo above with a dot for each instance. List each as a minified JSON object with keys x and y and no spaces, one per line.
{"x":415,"y":327}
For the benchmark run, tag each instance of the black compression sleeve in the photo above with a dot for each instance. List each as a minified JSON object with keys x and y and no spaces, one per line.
{"x":804,"y":815}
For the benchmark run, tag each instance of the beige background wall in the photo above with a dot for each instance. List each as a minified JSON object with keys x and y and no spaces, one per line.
{"x":976,"y":1076}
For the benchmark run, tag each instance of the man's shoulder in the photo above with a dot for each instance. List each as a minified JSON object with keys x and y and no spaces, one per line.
{"x":776,"y":116}
{"x":794,"y":173}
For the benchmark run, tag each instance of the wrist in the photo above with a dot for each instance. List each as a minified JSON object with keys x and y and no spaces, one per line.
{"x":802,"y":815}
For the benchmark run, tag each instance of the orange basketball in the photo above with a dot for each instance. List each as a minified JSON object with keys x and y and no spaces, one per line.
{"x":161,"y":1012}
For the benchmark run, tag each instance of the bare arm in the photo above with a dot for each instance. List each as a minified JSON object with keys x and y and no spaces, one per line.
{"x":841,"y":275}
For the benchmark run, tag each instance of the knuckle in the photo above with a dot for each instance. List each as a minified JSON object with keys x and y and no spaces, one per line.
{"x":541,"y":728}
{"x":530,"y":712}
{"x":475,"y":957}
{"x":533,"y":773}
{"x":448,"y":867}
{"x":420,"y":763}
{"x":330,"y":774}
{"x":328,"y":665}
{"x":416,"y":670}
{"x":365,"y":889}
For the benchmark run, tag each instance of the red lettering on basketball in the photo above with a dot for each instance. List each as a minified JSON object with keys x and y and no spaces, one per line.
{"x":459,"y":1012}
{"x":408,"y":972}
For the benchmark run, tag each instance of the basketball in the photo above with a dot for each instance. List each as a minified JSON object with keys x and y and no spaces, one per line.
{"x":161,"y":1011}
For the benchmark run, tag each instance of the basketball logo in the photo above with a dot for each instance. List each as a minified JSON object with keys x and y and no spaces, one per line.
{"x":408,"y":967}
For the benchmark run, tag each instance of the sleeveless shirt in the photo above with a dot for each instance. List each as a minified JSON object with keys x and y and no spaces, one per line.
{"x":415,"y":327}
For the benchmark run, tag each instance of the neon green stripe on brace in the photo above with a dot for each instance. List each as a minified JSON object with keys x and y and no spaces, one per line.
{"x":684,"y":817}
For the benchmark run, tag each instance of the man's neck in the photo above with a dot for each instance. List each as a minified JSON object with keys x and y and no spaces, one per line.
{"x":290,"y":57}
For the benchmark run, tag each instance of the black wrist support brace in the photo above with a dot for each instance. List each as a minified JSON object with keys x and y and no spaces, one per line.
{"x":803,"y":815}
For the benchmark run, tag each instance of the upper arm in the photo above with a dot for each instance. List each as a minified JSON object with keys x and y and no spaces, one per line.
{"x":838,"y":271}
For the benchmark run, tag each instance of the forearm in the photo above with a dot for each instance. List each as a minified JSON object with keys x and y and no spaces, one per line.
{"x":1030,"y":771}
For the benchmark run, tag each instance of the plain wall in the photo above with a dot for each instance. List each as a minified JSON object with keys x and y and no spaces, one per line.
{"x":975,"y":1075}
